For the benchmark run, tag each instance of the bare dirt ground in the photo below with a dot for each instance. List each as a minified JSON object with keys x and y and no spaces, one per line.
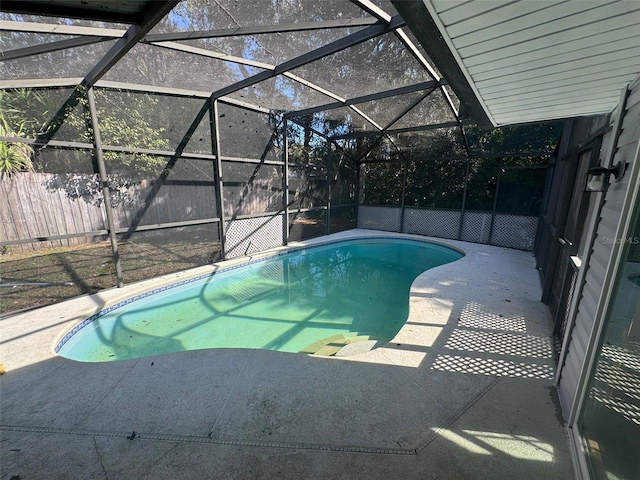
{"x":30,"y":279}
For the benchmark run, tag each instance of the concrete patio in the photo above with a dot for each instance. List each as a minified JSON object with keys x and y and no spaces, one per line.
{"x":464,"y":391}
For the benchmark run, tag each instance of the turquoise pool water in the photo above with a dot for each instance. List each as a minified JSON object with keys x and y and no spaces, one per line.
{"x":322,"y":296}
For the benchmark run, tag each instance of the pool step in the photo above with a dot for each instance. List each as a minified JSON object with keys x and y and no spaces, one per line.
{"x":330,"y":346}
{"x":358,"y":347}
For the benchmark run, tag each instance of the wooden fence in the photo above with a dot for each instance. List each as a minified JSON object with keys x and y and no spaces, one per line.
{"x":43,"y":205}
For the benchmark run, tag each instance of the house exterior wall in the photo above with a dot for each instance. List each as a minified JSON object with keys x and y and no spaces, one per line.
{"x":604,"y":223}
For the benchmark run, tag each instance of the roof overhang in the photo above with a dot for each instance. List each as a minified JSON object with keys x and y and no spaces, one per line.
{"x":426,"y":31}
{"x":533,"y":60}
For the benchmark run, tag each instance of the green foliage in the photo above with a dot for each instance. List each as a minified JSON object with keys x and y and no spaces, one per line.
{"x":383,"y":183}
{"x":521,"y":190}
{"x":435,"y":181}
{"x":14,"y":157}
{"x":435,"y":184}
{"x":62,"y":111}
{"x":125,"y":122}
{"x":514,"y":139}
{"x":481,"y":186}
{"x":28,"y":110}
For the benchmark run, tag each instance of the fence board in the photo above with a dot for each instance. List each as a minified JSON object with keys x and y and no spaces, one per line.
{"x":69,"y":214}
{"x":57,"y":207}
{"x":9,"y":227}
{"x":13,"y":202}
{"x":45,"y":200}
{"x":33,"y":216}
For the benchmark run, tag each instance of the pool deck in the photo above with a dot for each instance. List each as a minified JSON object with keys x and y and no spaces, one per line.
{"x":464,"y":391}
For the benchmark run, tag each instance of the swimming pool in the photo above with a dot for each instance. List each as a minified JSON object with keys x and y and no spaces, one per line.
{"x":316,"y":299}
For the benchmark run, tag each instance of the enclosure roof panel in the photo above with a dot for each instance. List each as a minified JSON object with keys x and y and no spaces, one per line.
{"x":529,"y":61}
{"x":287,"y":56}
{"x":281,"y":93}
{"x":122,"y":11}
{"x":376,"y":65}
{"x":68,"y":62}
{"x":386,"y":110}
{"x":232,"y":14}
{"x":272,"y":48}
{"x":165,"y":67}
{"x":431,"y":110}
{"x":336,"y":121}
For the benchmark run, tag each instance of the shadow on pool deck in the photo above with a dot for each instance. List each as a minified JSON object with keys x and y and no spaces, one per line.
{"x":464,"y":391}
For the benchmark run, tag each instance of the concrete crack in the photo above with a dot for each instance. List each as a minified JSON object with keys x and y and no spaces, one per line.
{"x":157,"y":460}
{"x":235,"y":381}
{"x":95,"y":444}
{"x":107,"y":393}
{"x":295,"y":422}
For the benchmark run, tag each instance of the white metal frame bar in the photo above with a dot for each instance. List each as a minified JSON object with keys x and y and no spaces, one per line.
{"x":55,"y":29}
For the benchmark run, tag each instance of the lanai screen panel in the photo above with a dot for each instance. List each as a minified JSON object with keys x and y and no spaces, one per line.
{"x":376,"y":65}
{"x":377,"y":148}
{"x":272,"y":48}
{"x":521,"y":190}
{"x":251,"y":189}
{"x":163,"y":67}
{"x":336,"y":121}
{"x":252,"y":166}
{"x":146,"y":253}
{"x":53,"y":113}
{"x":409,"y":34}
{"x":382,"y":183}
{"x":281,"y":93}
{"x":343,"y":178}
{"x":481,"y":186}
{"x":231,"y":14}
{"x":514,"y":139}
{"x":308,"y":154}
{"x":435,"y":183}
{"x":386,"y":110}
{"x":157,"y":190}
{"x":441,"y":142}
{"x":433,"y":109}
{"x":247,"y":134}
{"x":70,"y":62}
{"x":151,"y":121}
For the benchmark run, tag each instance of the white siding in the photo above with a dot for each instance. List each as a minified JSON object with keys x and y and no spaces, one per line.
{"x":600,"y":258}
{"x":532,"y":60}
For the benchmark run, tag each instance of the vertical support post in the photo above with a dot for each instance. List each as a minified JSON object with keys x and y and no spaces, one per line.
{"x":329,"y":175}
{"x":404,"y":191}
{"x":285,"y":182}
{"x":464,"y":198}
{"x":467,"y":149}
{"x":357,"y":187}
{"x":97,"y":143}
{"x":217,"y":172}
{"x":495,"y":202}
